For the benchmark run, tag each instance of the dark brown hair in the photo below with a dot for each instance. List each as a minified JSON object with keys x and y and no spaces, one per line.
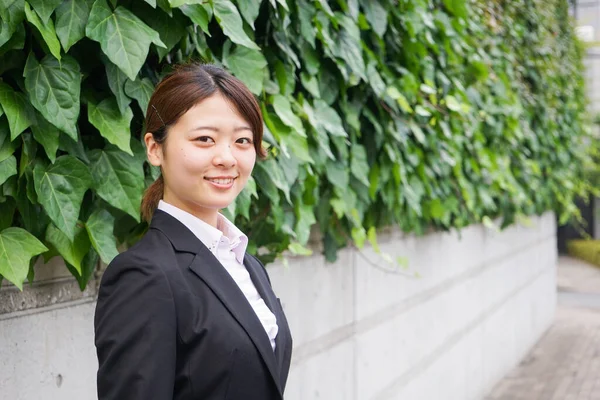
{"x":180,"y":90}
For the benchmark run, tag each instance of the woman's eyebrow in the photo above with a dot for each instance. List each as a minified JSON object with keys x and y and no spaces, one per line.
{"x":216,"y":129}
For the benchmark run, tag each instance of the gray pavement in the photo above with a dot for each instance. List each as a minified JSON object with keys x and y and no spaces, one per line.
{"x":565,"y":363}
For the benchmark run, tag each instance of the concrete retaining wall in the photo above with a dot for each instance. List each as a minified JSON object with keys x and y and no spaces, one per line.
{"x":448,"y":327}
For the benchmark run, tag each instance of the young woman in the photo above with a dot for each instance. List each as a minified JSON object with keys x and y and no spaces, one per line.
{"x":186,"y":313}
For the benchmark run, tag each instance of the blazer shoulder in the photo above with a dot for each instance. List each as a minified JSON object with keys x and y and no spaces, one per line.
{"x":148,"y":255}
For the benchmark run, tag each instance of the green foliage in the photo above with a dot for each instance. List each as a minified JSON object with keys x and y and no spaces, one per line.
{"x":415,"y":113}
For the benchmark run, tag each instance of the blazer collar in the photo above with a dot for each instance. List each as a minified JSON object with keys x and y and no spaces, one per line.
{"x":206,"y":266}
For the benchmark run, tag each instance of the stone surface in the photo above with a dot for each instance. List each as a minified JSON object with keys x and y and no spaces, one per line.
{"x":565,"y":363}
{"x":462,"y":313}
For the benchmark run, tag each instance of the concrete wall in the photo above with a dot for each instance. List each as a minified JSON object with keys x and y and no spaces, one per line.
{"x":448,"y":327}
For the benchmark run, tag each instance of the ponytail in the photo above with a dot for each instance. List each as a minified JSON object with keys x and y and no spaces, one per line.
{"x":152,"y":196}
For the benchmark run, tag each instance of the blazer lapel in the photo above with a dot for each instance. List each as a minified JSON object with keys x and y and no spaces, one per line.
{"x":206,"y":266}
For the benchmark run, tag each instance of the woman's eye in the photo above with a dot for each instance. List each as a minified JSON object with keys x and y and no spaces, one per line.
{"x":204,"y":139}
{"x":244,"y":141}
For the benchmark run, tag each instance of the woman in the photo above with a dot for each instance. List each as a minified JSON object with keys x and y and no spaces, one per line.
{"x":186,"y":313}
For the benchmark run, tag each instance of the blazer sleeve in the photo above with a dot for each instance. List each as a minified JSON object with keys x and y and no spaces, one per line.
{"x":135,"y":332}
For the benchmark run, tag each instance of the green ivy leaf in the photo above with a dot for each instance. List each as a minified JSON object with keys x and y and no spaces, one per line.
{"x":306,"y":12}
{"x":376,"y":15}
{"x":12,"y":13}
{"x":7,"y":212}
{"x":179,"y":3}
{"x":170,"y":28}
{"x":54,"y":88}
{"x":60,"y":188}
{"x":118,"y":180}
{"x":17,"y":109}
{"x":141,"y":90}
{"x":152,"y":3}
{"x":71,"y":18}
{"x":16,"y":42}
{"x":457,"y":7}
{"x":249,"y":10}
{"x":359,"y":165}
{"x":299,"y":250}
{"x":348,"y":46}
{"x":244,"y":200}
{"x":328,"y":119}
{"x":73,"y":251}
{"x":100,"y":230}
{"x":359,"y":235}
{"x":46,"y":29}
{"x":399,"y":97}
{"x":113,"y":125}
{"x":7,"y":147}
{"x":116,"y":82}
{"x":123,"y":37}
{"x":47,"y":135}
{"x":305,"y":218}
{"x":231,"y":23}
{"x":44,"y":8}
{"x":198,"y":15}
{"x":17,"y":247}
{"x":436,"y":209}
{"x":283,"y":108}
{"x":248,"y":65}
{"x":8,"y":168}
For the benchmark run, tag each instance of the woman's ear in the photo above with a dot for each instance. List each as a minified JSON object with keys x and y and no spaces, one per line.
{"x":153,"y":150}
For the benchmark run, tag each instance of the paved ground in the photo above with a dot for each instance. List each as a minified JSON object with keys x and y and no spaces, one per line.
{"x":565,"y":363}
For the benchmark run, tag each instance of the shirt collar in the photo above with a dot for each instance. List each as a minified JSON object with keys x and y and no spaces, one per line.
{"x":208,"y":234}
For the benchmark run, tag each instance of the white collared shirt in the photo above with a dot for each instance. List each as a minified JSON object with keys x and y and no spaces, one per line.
{"x":228,"y":244}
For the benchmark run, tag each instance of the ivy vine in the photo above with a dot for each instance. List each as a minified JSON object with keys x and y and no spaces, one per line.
{"x":415,"y":113}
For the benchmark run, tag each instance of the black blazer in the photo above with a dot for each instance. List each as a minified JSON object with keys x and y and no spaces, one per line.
{"x":171,"y":323}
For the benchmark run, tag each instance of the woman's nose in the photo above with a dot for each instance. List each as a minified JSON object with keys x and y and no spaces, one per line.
{"x":224,"y":156}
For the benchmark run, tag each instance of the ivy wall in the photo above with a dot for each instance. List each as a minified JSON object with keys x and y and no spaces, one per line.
{"x":414,"y":113}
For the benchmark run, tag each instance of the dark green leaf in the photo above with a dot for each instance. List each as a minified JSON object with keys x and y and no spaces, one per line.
{"x":170,"y":28}
{"x":8,"y":168}
{"x":7,"y":213}
{"x":118,"y":180}
{"x":305,"y":218}
{"x":141,"y":90}
{"x":116,"y":82}
{"x":376,"y":15}
{"x":100,"y":230}
{"x":16,"y":42}
{"x":113,"y":125}
{"x":46,"y":29}
{"x":198,"y":15}
{"x":305,"y":14}
{"x":249,"y":10}
{"x":44,"y":8}
{"x":359,"y":166}
{"x":248,"y":65}
{"x":17,"y":247}
{"x":123,"y":37}
{"x":12,"y":13}
{"x":53,"y":88}
{"x":327,"y":118}
{"x":283,"y":108}
{"x":47,"y":135}
{"x":17,"y":109}
{"x":60,"y":188}
{"x":72,"y":251}
{"x":231,"y":23}
{"x":71,"y":18}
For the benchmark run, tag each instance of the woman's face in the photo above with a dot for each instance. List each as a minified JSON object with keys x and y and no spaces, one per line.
{"x":207,"y":158}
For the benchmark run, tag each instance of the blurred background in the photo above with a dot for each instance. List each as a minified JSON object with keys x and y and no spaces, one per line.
{"x":428,"y":211}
